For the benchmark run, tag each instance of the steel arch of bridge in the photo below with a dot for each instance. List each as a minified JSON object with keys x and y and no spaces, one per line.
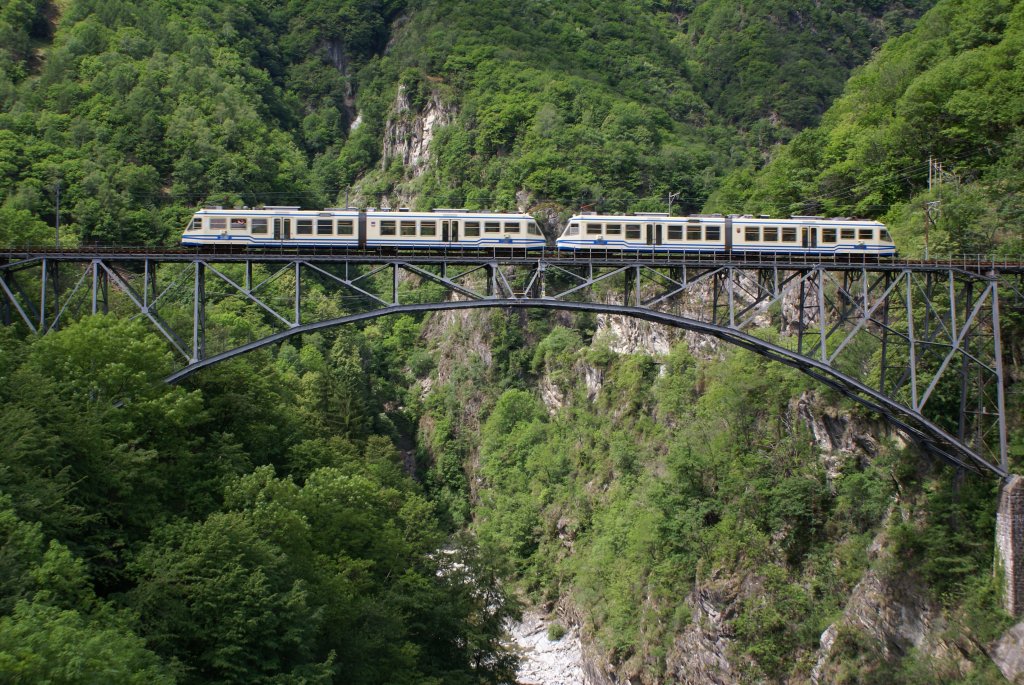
{"x":915,"y":342}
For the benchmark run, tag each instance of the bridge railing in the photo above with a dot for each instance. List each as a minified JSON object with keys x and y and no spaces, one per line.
{"x":974,"y":262}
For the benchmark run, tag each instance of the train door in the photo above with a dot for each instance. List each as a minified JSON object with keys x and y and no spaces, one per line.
{"x":654,"y":234}
{"x":282,"y":229}
{"x":810,"y":236}
{"x":453,"y":232}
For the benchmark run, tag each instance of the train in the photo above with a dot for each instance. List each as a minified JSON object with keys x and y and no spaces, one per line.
{"x":716,"y":233}
{"x":358,"y":228}
{"x":460,"y":229}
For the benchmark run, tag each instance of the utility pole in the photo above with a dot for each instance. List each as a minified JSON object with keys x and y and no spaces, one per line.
{"x":671,"y":197}
{"x":934,"y":182}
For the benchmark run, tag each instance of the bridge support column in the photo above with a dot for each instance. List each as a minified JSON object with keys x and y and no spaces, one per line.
{"x":1010,"y":543}
{"x":99,"y":288}
{"x":199,"y":314}
{"x":5,"y":305}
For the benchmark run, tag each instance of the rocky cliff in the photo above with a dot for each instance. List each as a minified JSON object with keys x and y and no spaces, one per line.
{"x":887,"y":615}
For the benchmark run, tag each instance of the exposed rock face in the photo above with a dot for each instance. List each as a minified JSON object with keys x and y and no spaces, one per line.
{"x":626,"y":335}
{"x":409,"y":131}
{"x":633,"y":335}
{"x":336,"y":54}
{"x":699,"y":652}
{"x":897,"y":615}
{"x":1010,"y":543}
{"x":1008,"y":654}
{"x":555,"y":397}
{"x":463,"y":334}
{"x":839,"y":436}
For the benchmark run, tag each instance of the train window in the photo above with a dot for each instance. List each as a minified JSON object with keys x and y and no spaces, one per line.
{"x":532,"y":228}
{"x":848,"y":234}
{"x":771,"y":234}
{"x":713,"y":232}
{"x":304,"y":227}
{"x":632,"y":231}
{"x":238,"y":223}
{"x":492,"y":226}
{"x":324,"y":227}
{"x":344,"y":227}
{"x":196,"y":225}
{"x":613,"y":229}
{"x":408,"y":227}
{"x":471,"y":229}
{"x":593,"y":229}
{"x":828,"y":235}
{"x":512,"y":227}
{"x":866,"y":234}
{"x":218,"y":223}
{"x":387,"y":227}
{"x":693,"y":231}
{"x":884,"y":236}
{"x":753,"y":234}
{"x":574,"y":229}
{"x":259,"y":226}
{"x":789,"y":234}
{"x":675,"y":232}
{"x":428,"y":228}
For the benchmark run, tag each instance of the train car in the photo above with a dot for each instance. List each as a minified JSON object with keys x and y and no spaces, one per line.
{"x":726,"y":234}
{"x":646,"y":232}
{"x":354,"y":228}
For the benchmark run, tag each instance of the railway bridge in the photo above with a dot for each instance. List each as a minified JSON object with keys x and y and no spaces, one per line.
{"x":918,"y":342}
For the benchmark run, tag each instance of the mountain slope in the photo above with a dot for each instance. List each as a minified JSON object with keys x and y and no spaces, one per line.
{"x":950,"y":90}
{"x":141,"y":111}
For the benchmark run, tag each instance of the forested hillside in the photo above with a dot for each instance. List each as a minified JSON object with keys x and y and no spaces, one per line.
{"x":712,"y":520}
{"x":256,"y":528}
{"x":950,"y":90}
{"x":373,"y":504}
{"x":143,"y":110}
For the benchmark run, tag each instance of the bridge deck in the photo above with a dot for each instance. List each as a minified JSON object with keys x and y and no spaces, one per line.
{"x":973,"y":265}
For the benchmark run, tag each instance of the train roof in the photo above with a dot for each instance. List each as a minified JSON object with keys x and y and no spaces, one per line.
{"x":715,"y":218}
{"x":370,"y":211}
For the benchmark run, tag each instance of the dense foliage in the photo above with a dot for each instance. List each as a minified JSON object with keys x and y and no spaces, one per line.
{"x":678,"y":483}
{"x":141,"y":110}
{"x":949,"y":90}
{"x":616,"y":105}
{"x":257,"y":530}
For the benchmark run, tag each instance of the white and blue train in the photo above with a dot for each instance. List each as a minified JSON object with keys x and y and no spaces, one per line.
{"x":726,"y":234}
{"x":355,"y":228}
{"x":473,"y":230}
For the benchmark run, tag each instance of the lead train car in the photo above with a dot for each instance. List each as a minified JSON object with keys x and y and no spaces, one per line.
{"x":294,"y":227}
{"x":717,"y":234}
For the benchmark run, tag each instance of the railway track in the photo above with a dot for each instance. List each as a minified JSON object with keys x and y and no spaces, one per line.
{"x":972,"y":264}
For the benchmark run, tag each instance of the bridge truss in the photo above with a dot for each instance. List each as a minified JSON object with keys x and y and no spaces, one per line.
{"x":919,"y":343}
